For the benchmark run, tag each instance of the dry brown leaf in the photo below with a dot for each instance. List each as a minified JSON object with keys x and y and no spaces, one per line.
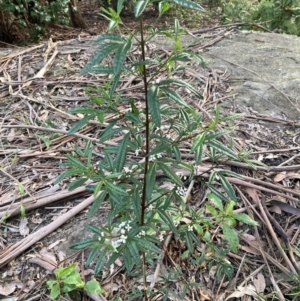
{"x":242,"y":291}
{"x":279,"y":177}
{"x":7,"y":288}
{"x":23,"y":229}
{"x":260,"y":283}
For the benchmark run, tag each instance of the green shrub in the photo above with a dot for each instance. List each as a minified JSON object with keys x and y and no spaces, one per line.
{"x":282,"y":15}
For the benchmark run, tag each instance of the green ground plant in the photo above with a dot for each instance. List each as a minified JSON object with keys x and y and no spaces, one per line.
{"x":69,"y":281}
{"x":143,"y":177}
{"x":281,"y":15}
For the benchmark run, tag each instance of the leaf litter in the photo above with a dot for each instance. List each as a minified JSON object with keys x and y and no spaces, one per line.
{"x":38,"y":86}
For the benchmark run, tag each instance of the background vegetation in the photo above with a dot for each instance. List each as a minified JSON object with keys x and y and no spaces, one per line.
{"x":20,"y":19}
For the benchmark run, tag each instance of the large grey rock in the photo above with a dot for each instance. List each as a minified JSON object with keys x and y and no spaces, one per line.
{"x":263,"y":67}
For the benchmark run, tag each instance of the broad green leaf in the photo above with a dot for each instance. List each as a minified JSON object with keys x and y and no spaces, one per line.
{"x":216,"y":201}
{"x":229,"y":208}
{"x":55,"y":290}
{"x":140,"y":7}
{"x":246,"y":219}
{"x":61,"y":273}
{"x":211,"y":210}
{"x":93,"y":286}
{"x":199,"y":229}
{"x":153,"y":103}
{"x":232,"y":237}
{"x":75,"y":279}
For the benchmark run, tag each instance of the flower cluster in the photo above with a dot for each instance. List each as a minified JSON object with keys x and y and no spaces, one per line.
{"x":122,"y":229}
{"x":181,"y":191}
{"x":154,"y":157}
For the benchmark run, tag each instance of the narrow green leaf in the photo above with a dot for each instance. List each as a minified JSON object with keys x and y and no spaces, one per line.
{"x":121,"y":154}
{"x":140,"y":7}
{"x":150,"y":180}
{"x":198,"y":142}
{"x":93,"y":254}
{"x":77,"y":183}
{"x":199,"y":155}
{"x":166,"y":218}
{"x":153,"y":103}
{"x":189,"y":242}
{"x":100,"y":261}
{"x":97,"y":203}
{"x":173,"y":95}
{"x":112,"y":188}
{"x":100,"y":55}
{"x":93,"y":229}
{"x":80,"y":124}
{"x":232,"y":237}
{"x":75,"y":162}
{"x":228,"y":188}
{"x":221,"y":148}
{"x":85,"y":243}
{"x":120,"y":56}
{"x":110,"y":131}
{"x":168,"y":172}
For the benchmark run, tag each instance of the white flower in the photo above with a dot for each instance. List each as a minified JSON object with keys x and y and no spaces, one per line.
{"x":122,"y":231}
{"x":128,"y":227}
{"x":142,"y":233}
{"x":122,"y":239}
{"x":126,"y":169}
{"x":115,"y":244}
{"x":161,"y":237}
{"x":151,"y":207}
{"x":181,"y":190}
{"x":151,"y":158}
{"x":179,"y":174}
{"x":137,"y":151}
{"x":190,"y":228}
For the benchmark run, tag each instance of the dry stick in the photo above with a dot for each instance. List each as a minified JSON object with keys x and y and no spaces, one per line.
{"x":17,"y":249}
{"x":200,"y":171}
{"x":273,"y":235}
{"x":268,"y":169}
{"x":37,"y":202}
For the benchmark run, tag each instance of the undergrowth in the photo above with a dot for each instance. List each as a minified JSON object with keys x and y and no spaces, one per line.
{"x":144,"y":175}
